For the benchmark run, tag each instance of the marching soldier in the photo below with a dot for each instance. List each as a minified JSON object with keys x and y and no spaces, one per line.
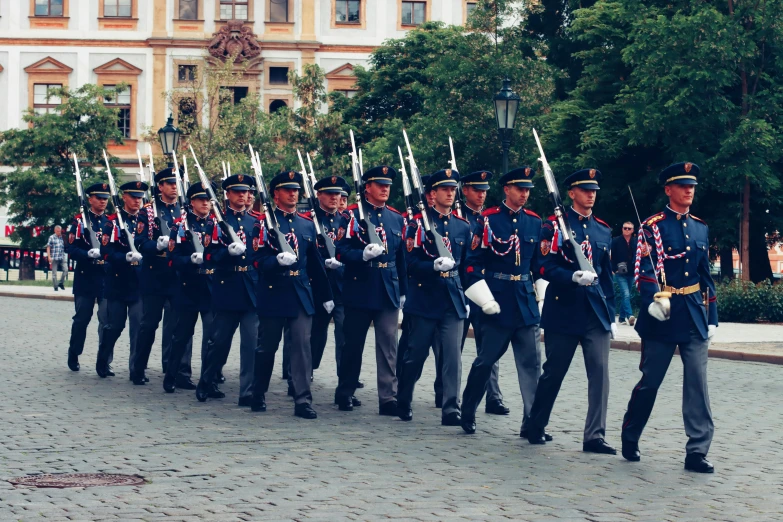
{"x":89,"y":275}
{"x":285,"y":295}
{"x":673,"y":252}
{"x":234,"y":284}
{"x":158,"y":279}
{"x":436,"y":304}
{"x":193,"y":297}
{"x":122,"y":281}
{"x":498,"y":277}
{"x":578,"y":309}
{"x":374,"y":288}
{"x":344,"y":198}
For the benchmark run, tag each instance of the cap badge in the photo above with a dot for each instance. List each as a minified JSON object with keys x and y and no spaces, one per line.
{"x":138,"y":184}
{"x":291,"y":175}
{"x":688,"y":167}
{"x":592,"y":173}
{"x":527,"y":171}
{"x":448,"y":173}
{"x":334,"y":180}
{"x":240,"y":177}
{"x":385,"y":170}
{"x":483,"y":175}
{"x":105,"y":186}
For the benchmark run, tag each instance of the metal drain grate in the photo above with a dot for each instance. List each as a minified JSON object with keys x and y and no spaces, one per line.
{"x":77,"y":480}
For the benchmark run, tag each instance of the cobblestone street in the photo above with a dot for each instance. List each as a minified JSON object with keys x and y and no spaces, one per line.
{"x":216,"y":461}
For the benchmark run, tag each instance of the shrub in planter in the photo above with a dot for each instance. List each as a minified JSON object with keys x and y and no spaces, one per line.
{"x":773,"y":309}
{"x":740,"y":302}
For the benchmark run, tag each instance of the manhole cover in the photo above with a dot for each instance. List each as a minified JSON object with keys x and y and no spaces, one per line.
{"x":77,"y":480}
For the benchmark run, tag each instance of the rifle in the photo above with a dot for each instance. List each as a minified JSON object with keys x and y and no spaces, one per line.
{"x":141,"y":175}
{"x":421,"y":203}
{"x":309,"y":190}
{"x":162,"y":224}
{"x":185,"y":176}
{"x":266,"y":205}
{"x":183,"y":203}
{"x":227,"y":229}
{"x":458,"y":198}
{"x":115,"y":199}
{"x":565,"y":228}
{"x":406,"y":188}
{"x":85,"y":206}
{"x":372,"y":234}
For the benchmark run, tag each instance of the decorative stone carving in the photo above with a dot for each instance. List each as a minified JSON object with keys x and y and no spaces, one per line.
{"x":234,"y":39}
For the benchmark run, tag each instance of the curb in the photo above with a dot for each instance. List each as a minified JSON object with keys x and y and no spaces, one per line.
{"x":33,"y":296}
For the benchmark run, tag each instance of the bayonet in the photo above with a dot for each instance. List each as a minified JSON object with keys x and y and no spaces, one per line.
{"x":115,"y":200}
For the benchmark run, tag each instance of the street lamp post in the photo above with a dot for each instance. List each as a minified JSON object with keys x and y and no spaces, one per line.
{"x":169,"y":138}
{"x":506,"y":105}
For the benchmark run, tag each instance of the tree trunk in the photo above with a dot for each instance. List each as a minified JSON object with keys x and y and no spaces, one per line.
{"x":745,"y":233}
{"x":27,"y":269}
{"x":726,"y":263}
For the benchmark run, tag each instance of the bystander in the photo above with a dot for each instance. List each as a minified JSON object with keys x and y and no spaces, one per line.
{"x":622,"y":265}
{"x":55,"y":251}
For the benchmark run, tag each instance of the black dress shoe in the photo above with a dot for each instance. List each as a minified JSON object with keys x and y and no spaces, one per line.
{"x":698,"y":463}
{"x":598,"y":446}
{"x":214,"y":392}
{"x":139,"y":380}
{"x":631,"y":451}
{"x":359,"y":384}
{"x":109,"y":373}
{"x":344,"y":403}
{"x":245,"y":402}
{"x":73,"y":362}
{"x":185,"y":384}
{"x":62,"y":287}
{"x":523,"y":434}
{"x":305,"y":411}
{"x":536,"y":436}
{"x":438,"y":401}
{"x":56,"y":288}
{"x":101,"y":370}
{"x":497,"y":408}
{"x":258,"y":403}
{"x":451,"y":419}
{"x":388,"y":409}
{"x":201,"y":391}
{"x":468,"y":425}
{"x":220,"y":379}
{"x":169,"y":385}
{"x":404,"y":412}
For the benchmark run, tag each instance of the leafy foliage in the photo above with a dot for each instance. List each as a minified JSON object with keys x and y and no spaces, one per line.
{"x":746,"y":302}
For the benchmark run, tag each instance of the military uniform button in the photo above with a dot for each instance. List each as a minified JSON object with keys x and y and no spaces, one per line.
{"x":686,"y":273}
{"x":685,"y":224}
{"x":270,"y":286}
{"x":514,"y":220}
{"x":587,"y":236}
{"x":556,"y":298}
{"x":687,"y":260}
{"x":183,"y":284}
{"x":243,"y":257}
{"x":687,"y":248}
{"x":585,"y":225}
{"x":687,"y":236}
{"x":670,"y":249}
{"x":419,"y":284}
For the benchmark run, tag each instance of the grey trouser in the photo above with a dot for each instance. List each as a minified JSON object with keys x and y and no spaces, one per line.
{"x":357,"y":323}
{"x":493,"y":387}
{"x":117,"y":312}
{"x":696,"y":413}
{"x":84,"y":306}
{"x":170,"y":317}
{"x":183,"y":336}
{"x":270,"y":332}
{"x":446,"y":333}
{"x":58,"y":265}
{"x":494,"y":343}
{"x":560,"y":349}
{"x":224,"y":325}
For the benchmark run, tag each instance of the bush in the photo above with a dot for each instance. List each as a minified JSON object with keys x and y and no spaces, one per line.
{"x":745,"y":302}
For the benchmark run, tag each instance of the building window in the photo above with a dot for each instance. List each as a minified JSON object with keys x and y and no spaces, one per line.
{"x":278,"y":75}
{"x":117,"y":8}
{"x":276,"y":105}
{"x":188,"y":9}
{"x":414,"y":13}
{"x":44,"y":102}
{"x":233,"y":9}
{"x":187,"y":112}
{"x":347,"y":93}
{"x":278,"y":10}
{"x":48,"y":7}
{"x":121,"y":100}
{"x":233,"y":95}
{"x":470,"y":7}
{"x":347,"y":11}
{"x":186,"y":73}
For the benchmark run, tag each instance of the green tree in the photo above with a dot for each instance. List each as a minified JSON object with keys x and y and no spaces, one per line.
{"x":41,"y":191}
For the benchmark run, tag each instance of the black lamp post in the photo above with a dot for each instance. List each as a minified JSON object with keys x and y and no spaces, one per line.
{"x":506,"y":105}
{"x":169,"y":138}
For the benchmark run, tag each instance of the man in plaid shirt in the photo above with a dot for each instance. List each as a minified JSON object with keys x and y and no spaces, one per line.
{"x":55,"y":251}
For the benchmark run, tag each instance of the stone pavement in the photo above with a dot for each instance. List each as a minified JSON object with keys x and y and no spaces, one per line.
{"x":216,"y":461}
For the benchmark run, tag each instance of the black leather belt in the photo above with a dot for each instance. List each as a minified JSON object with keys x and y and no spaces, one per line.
{"x":451,"y":273}
{"x":509,"y":277}
{"x":376,"y":264}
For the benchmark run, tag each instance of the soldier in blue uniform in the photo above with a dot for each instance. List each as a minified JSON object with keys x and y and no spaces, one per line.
{"x":291,"y":287}
{"x":435,"y":306}
{"x":474,"y":188}
{"x":497,"y":273}
{"x":193,"y":297}
{"x":122,"y":281}
{"x":672,"y":257}
{"x":234,"y":284}
{"x":89,"y":274}
{"x":578,"y":309}
{"x":158,"y":279}
{"x":374,"y":287}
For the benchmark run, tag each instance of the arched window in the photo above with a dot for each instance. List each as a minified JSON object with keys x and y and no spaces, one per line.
{"x":276,"y":105}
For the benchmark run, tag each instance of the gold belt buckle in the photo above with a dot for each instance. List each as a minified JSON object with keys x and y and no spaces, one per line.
{"x":515,"y":278}
{"x":293,"y":273}
{"x":241,"y":269}
{"x":383,"y":265}
{"x":445,"y":274}
{"x":209,"y":271}
{"x":134,"y":263}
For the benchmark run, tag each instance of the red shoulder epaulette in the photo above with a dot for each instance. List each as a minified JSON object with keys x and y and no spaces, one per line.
{"x":111,"y":217}
{"x":700,"y":220}
{"x":352,"y":207}
{"x":394,"y":210}
{"x":305,"y":215}
{"x":490,"y":211}
{"x":78,"y":216}
{"x":417,"y":216}
{"x":531,"y":213}
{"x":255,"y":214}
{"x":178,"y":220}
{"x":660,"y":216}
{"x":552,"y":218}
{"x":604,"y":223}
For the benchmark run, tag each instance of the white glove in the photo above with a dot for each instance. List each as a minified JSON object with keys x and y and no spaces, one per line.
{"x":711,"y":330}
{"x":657,"y":310}
{"x":583,"y":277}
{"x":197,"y":258}
{"x":286,"y":259}
{"x":467,"y":309}
{"x":133,"y":257}
{"x":329,"y":306}
{"x":491,"y":308}
{"x":332,"y":263}
{"x":372,"y":251}
{"x":614,"y":330}
{"x":402,"y":301}
{"x":237,"y":248}
{"x":94,"y":253}
{"x":480,"y":294}
{"x":163,"y":243}
{"x":443,"y":264}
